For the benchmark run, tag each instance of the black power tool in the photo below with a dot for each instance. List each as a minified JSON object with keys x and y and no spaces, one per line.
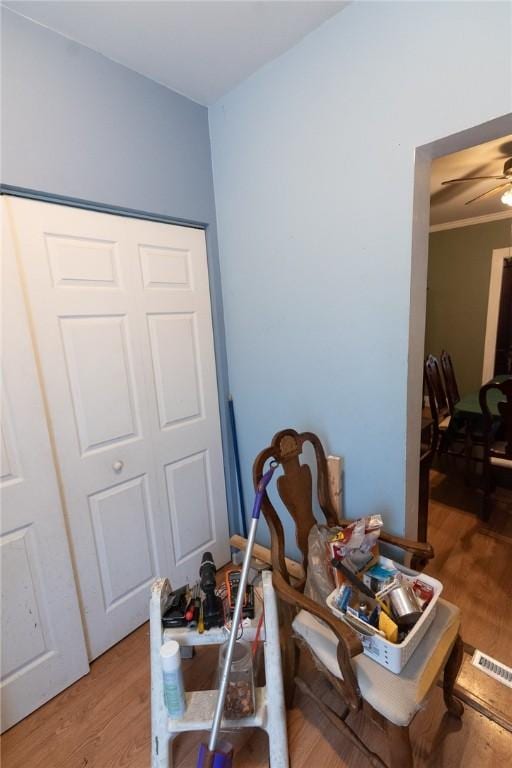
{"x":213,"y":613}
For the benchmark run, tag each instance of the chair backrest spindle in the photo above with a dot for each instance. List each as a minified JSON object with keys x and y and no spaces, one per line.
{"x":450,"y":382}
{"x":437,"y":396}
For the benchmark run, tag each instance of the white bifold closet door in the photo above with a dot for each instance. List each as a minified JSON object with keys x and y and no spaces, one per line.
{"x":122,"y":319}
{"x":43,"y":648}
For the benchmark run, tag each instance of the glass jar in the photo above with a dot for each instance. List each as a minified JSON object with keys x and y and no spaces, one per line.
{"x":240,"y":690}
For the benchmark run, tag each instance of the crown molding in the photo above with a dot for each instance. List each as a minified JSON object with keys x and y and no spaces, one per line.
{"x":469,"y":222}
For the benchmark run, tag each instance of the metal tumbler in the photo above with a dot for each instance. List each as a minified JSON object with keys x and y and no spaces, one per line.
{"x":406,"y":609}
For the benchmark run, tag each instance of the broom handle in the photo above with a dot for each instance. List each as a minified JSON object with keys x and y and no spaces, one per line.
{"x":223,"y":686}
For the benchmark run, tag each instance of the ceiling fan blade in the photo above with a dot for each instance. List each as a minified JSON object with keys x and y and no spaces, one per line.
{"x":472,"y":178}
{"x":489,"y":192}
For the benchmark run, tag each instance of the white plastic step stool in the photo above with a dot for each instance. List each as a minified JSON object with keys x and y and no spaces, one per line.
{"x":270,"y":712}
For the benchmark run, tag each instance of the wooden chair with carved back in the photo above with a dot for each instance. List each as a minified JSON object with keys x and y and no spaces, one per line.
{"x":390,"y":700}
{"x":497,"y":437}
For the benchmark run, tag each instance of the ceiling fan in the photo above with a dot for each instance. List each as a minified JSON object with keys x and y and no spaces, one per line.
{"x":506,"y":177}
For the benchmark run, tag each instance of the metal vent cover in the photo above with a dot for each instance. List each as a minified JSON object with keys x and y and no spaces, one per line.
{"x":493,"y":668}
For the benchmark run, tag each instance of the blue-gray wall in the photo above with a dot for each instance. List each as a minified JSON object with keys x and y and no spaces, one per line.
{"x":313,"y":160}
{"x":79,"y":125}
{"x":314,"y":174}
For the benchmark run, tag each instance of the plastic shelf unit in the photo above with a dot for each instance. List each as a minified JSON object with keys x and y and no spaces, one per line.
{"x":270,"y":712}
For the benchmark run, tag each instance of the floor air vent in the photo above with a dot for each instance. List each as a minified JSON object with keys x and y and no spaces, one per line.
{"x":493,"y":668}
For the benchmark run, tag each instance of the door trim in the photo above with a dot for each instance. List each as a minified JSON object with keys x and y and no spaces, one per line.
{"x":493,"y":307}
{"x":116,"y":210}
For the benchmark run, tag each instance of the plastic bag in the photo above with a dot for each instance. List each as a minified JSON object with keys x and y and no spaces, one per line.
{"x":355,"y":543}
{"x":320,"y":580}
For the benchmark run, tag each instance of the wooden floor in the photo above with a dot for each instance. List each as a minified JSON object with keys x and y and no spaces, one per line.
{"x":103,"y":720}
{"x":474,"y":561}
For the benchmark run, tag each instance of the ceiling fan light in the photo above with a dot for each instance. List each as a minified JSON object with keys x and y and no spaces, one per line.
{"x":506,"y":197}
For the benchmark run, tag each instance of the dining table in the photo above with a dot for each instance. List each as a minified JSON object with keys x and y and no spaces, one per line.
{"x":468,"y":418}
{"x":468,"y":412}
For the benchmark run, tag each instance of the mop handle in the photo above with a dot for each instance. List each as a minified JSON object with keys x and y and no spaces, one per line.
{"x":223,"y":686}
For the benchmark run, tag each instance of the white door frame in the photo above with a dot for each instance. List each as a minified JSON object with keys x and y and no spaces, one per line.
{"x":493,"y":309}
{"x":424,"y":155}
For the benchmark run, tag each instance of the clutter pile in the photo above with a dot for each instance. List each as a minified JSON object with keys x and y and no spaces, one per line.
{"x":384,"y":602}
{"x":204,"y":606}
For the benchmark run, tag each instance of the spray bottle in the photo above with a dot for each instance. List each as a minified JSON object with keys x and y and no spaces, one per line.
{"x":174,"y":694}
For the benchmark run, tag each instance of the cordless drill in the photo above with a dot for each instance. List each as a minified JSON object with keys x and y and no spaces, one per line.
{"x":213,"y":612}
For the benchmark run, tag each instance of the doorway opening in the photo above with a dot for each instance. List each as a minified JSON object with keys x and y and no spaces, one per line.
{"x":425,"y":156}
{"x":460,"y":303}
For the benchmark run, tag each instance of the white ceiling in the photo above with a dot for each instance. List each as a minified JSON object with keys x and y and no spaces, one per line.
{"x":197,"y":48}
{"x":448,"y":203}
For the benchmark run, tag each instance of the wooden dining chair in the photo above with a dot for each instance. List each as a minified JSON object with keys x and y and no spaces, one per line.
{"x":450,"y":382}
{"x":390,"y":700}
{"x":497,"y":438}
{"x":439,"y":406}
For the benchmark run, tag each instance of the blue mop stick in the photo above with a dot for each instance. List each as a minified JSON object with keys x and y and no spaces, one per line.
{"x":237,"y":465}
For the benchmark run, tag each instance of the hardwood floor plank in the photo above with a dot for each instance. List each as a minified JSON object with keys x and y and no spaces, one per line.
{"x":474,"y":569}
{"x":496,"y":695}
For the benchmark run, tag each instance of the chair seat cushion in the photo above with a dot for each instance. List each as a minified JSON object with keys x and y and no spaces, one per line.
{"x":497,"y":461}
{"x":445,"y":423}
{"x":500,"y":461}
{"x":396,"y":697}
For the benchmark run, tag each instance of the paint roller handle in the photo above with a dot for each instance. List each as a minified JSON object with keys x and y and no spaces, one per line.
{"x":357,"y":582}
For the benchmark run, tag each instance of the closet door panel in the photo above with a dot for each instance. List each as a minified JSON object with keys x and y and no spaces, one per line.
{"x":43,"y":646}
{"x":125,"y":507}
{"x":81,"y":278}
{"x":173,"y":296}
{"x":122,"y":319}
{"x":175,"y":365}
{"x":99,"y":362}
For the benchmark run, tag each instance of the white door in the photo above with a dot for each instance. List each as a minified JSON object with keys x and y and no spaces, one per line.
{"x":43,"y":648}
{"x":122,"y":314}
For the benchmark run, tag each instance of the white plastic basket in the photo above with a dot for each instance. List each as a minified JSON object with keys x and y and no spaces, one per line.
{"x":394,"y":656}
